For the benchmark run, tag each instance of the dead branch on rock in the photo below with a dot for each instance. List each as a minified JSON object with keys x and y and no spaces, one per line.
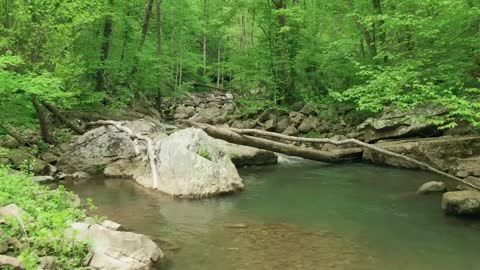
{"x":135,"y":136}
{"x":241,"y":136}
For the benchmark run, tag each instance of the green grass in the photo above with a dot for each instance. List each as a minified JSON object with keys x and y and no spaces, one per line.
{"x":41,"y":229}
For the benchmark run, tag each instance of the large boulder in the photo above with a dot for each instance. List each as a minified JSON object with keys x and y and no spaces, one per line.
{"x":461,"y":203}
{"x":396,"y":124}
{"x":117,"y":250}
{"x":102,"y":146}
{"x":21,"y":157}
{"x":309,"y":124}
{"x":441,"y":153}
{"x":191,"y":164}
{"x":296,"y":118}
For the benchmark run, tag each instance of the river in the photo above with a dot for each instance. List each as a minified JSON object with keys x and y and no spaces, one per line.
{"x":300,"y":215}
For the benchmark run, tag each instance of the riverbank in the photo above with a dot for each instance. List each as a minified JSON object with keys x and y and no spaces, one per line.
{"x":43,"y":228}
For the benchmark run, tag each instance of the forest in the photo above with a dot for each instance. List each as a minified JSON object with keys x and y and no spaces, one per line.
{"x":359,"y":101}
{"x":343,"y":55}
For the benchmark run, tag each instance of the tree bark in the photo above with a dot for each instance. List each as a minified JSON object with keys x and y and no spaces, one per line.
{"x":43,"y":123}
{"x":229,"y":135}
{"x":107,"y":35}
{"x":63,"y":119}
{"x":205,"y":6}
{"x":146,"y":22}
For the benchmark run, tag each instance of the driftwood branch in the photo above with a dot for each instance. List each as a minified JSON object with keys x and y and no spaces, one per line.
{"x":135,"y":137}
{"x":239,"y":136}
{"x":77,"y":129}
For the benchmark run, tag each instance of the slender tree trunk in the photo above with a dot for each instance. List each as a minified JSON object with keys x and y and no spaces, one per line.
{"x":365,"y":32}
{"x":205,"y":14}
{"x":159,"y":97}
{"x":107,"y":34}
{"x":219,"y":59}
{"x":146,"y":22}
{"x":43,"y":123}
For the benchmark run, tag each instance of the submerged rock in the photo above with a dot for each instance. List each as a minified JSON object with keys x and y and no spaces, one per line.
{"x":191,"y":164}
{"x":117,"y":250}
{"x":461,"y":203}
{"x":432,"y":187}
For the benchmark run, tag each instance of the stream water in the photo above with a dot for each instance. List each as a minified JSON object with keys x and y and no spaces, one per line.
{"x":305,"y":216}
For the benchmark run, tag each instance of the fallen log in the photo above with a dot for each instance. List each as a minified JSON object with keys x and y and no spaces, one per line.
{"x":135,"y":137}
{"x":228,"y":135}
{"x":242,"y":136}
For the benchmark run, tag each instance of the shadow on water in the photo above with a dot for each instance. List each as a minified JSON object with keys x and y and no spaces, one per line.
{"x":300,"y":215}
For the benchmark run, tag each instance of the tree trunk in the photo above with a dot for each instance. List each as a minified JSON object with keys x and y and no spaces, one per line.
{"x":365,"y":32}
{"x":63,"y":119}
{"x":205,"y":14}
{"x":43,"y":123}
{"x":228,"y":135}
{"x":146,"y":22}
{"x":107,"y":35}
{"x":159,"y":96}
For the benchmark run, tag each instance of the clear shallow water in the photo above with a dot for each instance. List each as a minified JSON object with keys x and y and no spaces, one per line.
{"x":299,"y":216}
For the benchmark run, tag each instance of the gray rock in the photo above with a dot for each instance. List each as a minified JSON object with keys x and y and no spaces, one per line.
{"x":309,"y":124}
{"x":296,"y":118}
{"x":308,"y":110}
{"x":229,"y":95}
{"x":11,"y":263}
{"x":11,"y":210}
{"x":49,"y":157}
{"x":291,"y":131}
{"x":468,"y":166}
{"x":8,"y":142}
{"x":400,"y":125}
{"x":42,"y":179}
{"x":465,"y":203}
{"x":283,"y":124}
{"x":472,"y":180}
{"x":243,"y":124}
{"x":112,"y":250}
{"x":270,"y":125}
{"x":111,"y":225}
{"x":441,"y":152}
{"x":228,"y":108}
{"x":189,"y":111}
{"x":191,"y":164}
{"x":3,"y":247}
{"x":47,"y":263}
{"x":80,"y":175}
{"x":432,"y":187}
{"x":104,"y":145}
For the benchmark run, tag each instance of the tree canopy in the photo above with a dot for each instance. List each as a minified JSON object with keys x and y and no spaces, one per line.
{"x":367,"y":55}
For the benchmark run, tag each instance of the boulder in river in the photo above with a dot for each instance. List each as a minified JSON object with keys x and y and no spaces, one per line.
{"x":432,"y":187}
{"x":191,"y":164}
{"x":113,"y":250}
{"x":464,"y":203}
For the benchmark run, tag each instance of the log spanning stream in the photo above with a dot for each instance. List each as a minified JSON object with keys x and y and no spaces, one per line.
{"x":300,"y":215}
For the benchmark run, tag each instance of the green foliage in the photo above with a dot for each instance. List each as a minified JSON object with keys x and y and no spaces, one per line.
{"x":41,"y":229}
{"x":204,"y":152}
